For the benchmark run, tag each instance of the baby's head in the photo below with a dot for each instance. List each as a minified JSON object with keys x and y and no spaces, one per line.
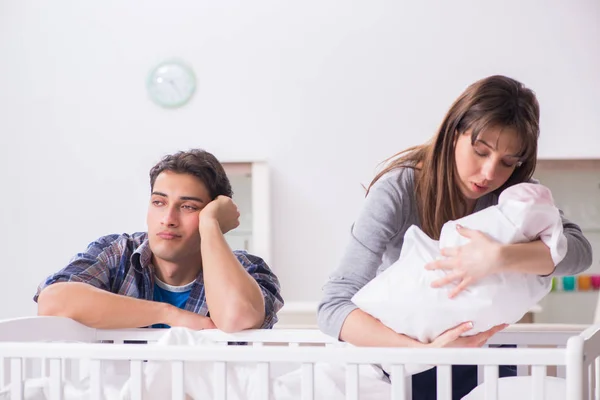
{"x":529,"y":193}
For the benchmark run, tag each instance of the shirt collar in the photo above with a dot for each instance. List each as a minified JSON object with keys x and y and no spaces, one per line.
{"x":142,"y":256}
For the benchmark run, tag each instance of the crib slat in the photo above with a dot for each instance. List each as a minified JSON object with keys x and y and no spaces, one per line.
{"x":308,"y":382}
{"x":597,"y":379}
{"x":398,"y":383}
{"x":444,"y":382}
{"x":16,"y":379}
{"x":55,"y":379}
{"x":178,"y":392}
{"x":522,"y":370}
{"x":263,"y":376}
{"x":263,"y":379}
{"x":66,"y":370}
{"x":220,"y":380}
{"x":352,"y":385}
{"x":135,"y":374}
{"x":585,"y":382}
{"x":28,"y":368}
{"x":490,"y":380}
{"x":589,"y":391}
{"x":45,"y":367}
{"x":538,"y":373}
{"x":5,"y":371}
{"x":96,"y":379}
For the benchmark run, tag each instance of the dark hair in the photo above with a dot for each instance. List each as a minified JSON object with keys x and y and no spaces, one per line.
{"x":493,"y":102}
{"x":199,"y":163}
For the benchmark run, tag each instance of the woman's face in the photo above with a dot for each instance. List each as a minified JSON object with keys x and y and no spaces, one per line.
{"x":488,"y":163}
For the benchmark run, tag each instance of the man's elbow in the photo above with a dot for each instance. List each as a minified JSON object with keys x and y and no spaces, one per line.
{"x":239,"y":319}
{"x":51,"y":302}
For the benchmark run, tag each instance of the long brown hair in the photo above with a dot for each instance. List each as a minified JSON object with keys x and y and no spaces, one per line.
{"x":493,"y":102}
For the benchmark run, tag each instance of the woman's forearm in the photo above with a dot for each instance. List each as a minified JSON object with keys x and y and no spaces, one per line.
{"x":361,"y":329}
{"x":531,"y":258}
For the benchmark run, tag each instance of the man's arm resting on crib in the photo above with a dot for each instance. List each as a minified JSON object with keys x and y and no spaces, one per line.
{"x":100,"y":309}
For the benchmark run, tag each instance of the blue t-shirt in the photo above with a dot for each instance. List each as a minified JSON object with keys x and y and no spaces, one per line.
{"x":174,"y":295}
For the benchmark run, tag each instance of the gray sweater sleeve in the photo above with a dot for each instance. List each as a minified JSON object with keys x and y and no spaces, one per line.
{"x":579,"y":251}
{"x":384,"y":215}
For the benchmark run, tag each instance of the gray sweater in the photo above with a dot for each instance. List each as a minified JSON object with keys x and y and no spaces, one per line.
{"x":377,"y":235}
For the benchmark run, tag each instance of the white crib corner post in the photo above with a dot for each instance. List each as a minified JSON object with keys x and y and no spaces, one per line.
{"x":574,"y":363}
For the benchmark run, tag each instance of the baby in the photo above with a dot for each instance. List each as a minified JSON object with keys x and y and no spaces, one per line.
{"x":402,"y":298}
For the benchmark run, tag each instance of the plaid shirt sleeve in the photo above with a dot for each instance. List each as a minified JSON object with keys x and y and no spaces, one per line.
{"x":93,"y":266}
{"x":268,"y":283}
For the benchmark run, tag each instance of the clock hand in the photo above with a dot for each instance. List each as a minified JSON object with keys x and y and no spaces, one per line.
{"x":172,"y":83}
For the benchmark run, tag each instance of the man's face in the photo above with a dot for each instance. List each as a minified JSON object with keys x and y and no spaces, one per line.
{"x":172,"y":219}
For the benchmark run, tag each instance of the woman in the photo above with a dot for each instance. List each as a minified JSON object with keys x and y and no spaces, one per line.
{"x":486,"y":143}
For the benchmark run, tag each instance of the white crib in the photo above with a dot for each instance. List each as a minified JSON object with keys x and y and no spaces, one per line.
{"x":44,"y":346}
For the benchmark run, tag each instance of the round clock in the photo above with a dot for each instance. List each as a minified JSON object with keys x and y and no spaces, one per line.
{"x":171,"y":84}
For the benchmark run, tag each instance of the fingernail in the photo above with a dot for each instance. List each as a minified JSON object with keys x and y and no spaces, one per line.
{"x":470,"y":325}
{"x":458,"y":226}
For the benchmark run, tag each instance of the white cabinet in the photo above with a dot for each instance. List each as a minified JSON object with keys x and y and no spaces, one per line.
{"x":251,"y":192}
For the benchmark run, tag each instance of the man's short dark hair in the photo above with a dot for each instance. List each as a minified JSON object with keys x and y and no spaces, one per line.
{"x":199,"y":163}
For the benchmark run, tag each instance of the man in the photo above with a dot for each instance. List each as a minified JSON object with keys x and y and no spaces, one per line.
{"x":180,"y":273}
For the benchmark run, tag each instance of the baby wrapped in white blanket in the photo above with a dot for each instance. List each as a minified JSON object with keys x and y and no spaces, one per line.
{"x":402,"y":298}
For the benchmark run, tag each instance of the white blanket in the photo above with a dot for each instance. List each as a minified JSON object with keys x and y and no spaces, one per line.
{"x":402,"y":298}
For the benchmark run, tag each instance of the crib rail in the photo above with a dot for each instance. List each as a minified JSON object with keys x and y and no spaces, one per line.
{"x":48,"y":329}
{"x":576,"y":352}
{"x":307,"y":357}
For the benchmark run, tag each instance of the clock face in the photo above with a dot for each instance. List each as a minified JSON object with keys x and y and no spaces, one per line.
{"x":171,"y":84}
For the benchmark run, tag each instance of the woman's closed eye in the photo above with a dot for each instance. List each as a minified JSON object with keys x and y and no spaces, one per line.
{"x":505,"y":163}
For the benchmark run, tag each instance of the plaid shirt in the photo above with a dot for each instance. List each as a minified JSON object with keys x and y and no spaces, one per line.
{"x":121,"y":264}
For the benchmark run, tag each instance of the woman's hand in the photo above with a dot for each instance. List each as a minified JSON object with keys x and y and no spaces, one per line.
{"x":468,"y":263}
{"x":452,"y":337}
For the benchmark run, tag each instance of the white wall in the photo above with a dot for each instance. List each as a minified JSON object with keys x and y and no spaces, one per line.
{"x":322,"y":89}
